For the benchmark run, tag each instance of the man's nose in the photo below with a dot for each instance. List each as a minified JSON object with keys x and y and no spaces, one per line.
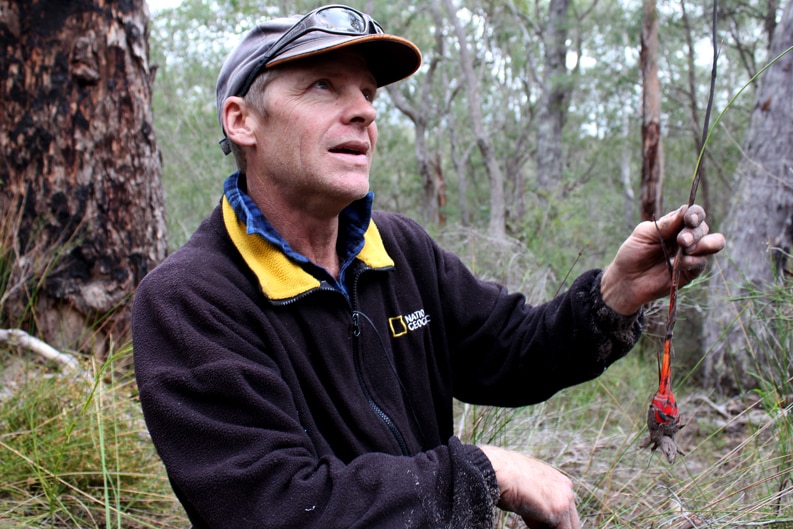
{"x":360,"y":108}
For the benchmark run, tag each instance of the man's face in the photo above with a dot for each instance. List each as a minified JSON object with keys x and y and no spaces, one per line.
{"x":315,"y":143}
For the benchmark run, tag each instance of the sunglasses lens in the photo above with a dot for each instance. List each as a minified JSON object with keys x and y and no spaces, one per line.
{"x":341,"y":19}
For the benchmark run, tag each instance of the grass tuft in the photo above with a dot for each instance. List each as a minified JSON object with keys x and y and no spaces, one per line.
{"x":76,"y":454}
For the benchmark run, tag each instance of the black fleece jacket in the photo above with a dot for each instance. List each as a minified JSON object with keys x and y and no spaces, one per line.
{"x":310,"y":407}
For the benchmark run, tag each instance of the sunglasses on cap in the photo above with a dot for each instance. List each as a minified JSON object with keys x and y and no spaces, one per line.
{"x":334,"y":19}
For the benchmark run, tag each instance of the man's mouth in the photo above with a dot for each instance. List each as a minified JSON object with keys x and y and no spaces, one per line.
{"x":357,"y":149}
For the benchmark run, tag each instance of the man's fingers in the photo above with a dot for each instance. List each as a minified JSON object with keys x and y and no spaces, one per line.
{"x":705,"y":245}
{"x":689,"y":237}
{"x":694,"y":216}
{"x":684,"y":216}
{"x":567,"y":520}
{"x":672,"y":220}
{"x":693,"y":266}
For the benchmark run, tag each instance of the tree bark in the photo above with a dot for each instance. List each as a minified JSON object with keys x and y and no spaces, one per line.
{"x":80,"y":172}
{"x":759,"y":229}
{"x":652,"y":150}
{"x":555,"y":94}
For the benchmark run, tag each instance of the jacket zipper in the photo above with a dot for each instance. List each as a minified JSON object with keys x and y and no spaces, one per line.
{"x":388,"y":421}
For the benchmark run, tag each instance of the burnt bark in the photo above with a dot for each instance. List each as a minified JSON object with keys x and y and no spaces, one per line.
{"x":80,"y":172}
{"x":651,"y":195}
{"x":737,"y":333}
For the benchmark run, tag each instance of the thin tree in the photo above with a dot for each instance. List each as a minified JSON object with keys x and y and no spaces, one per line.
{"x":652,"y":147}
{"x":419,"y":111}
{"x":79,"y":165}
{"x":497,"y":222}
{"x":555,"y":94}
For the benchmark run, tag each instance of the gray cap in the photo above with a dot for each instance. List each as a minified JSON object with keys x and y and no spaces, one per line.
{"x":390,"y":58}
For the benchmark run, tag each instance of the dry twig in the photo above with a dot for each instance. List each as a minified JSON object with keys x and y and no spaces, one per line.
{"x":18,"y":337}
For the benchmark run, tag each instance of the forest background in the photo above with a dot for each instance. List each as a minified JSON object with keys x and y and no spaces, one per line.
{"x":557,"y":99}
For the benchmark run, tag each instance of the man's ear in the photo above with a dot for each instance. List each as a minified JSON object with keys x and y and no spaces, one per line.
{"x":238,"y":121}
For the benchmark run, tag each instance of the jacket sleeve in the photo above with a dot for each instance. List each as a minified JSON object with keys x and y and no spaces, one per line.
{"x":503,"y":350}
{"x":511,"y":353}
{"x":230,"y":436}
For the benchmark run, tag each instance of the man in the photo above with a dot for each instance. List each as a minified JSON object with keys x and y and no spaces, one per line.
{"x":298,"y":358}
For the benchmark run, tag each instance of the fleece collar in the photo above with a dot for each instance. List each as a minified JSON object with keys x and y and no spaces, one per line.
{"x":283,"y":274}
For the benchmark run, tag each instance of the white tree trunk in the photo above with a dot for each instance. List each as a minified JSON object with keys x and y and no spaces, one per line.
{"x":497,"y":224}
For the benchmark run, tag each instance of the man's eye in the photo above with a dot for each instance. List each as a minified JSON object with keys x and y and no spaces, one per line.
{"x":322,"y":84}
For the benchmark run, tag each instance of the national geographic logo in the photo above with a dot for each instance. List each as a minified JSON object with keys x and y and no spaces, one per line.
{"x":401,"y":325}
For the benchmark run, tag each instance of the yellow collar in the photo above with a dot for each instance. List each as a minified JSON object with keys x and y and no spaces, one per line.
{"x":280,"y":278}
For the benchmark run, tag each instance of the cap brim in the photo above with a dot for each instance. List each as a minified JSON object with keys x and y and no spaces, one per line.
{"x":390,"y":58}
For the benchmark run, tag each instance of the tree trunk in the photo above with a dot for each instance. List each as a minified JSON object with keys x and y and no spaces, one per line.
{"x":652,"y":151}
{"x":458,"y":157}
{"x":554,"y":95}
{"x":497,"y":223}
{"x":419,"y":111}
{"x":759,"y":229}
{"x":625,"y":175}
{"x":80,"y":187}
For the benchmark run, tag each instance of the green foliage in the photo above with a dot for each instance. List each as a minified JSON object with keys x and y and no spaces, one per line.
{"x":394,"y":177}
{"x":187,"y":45}
{"x":190,"y":42}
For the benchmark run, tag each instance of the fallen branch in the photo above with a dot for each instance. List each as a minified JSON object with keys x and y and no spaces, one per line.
{"x":18,"y":337}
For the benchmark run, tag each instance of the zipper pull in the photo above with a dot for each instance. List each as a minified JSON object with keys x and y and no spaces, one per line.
{"x":356,"y":328}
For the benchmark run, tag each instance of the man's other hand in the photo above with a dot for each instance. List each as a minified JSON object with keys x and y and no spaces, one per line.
{"x":534,"y":490}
